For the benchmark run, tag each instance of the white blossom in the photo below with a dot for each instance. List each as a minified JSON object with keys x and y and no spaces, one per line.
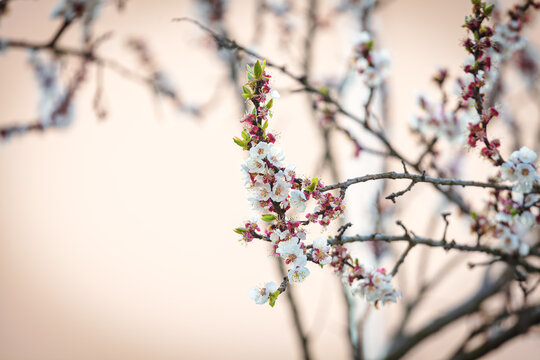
{"x":527,"y":218}
{"x":257,"y":206}
{"x":503,"y":217}
{"x":254,"y":165}
{"x":298,"y":274}
{"x":259,"y":151}
{"x":280,"y":176}
{"x":363,"y":38}
{"x":525,"y":177}
{"x":509,"y":242}
{"x":508,"y":171}
{"x":254,"y":218}
{"x":261,"y":191}
{"x":277,"y":235}
{"x":514,"y":158}
{"x":321,"y":251}
{"x":526,"y":155}
{"x":290,"y":172}
{"x":274,"y":94}
{"x":292,"y":253}
{"x":373,"y":74}
{"x":525,"y":173}
{"x":260,"y":294}
{"x":276,"y":155}
{"x":509,"y":39}
{"x":280,"y":191}
{"x":298,"y":200}
{"x":522,"y":187}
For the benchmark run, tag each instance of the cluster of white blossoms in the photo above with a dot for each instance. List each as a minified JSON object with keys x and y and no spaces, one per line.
{"x":510,"y":230}
{"x":267,"y":182}
{"x":376,"y":287}
{"x":292,"y":251}
{"x":436,"y":121}
{"x":520,"y":167}
{"x":274,"y":189}
{"x":508,"y":39}
{"x":373,"y":65}
{"x":514,"y":220}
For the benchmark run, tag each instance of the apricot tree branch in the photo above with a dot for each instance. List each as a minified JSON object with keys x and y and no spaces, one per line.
{"x":420,"y":178}
{"x":512,"y":259}
{"x":525,"y":319}
{"x":403,"y":345}
{"x":226,"y":43}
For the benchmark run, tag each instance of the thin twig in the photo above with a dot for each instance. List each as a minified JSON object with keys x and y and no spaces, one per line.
{"x":420,"y":178}
{"x":402,"y":259}
{"x":67,"y":22}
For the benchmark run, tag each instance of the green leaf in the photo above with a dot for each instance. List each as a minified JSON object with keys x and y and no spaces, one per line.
{"x":240,"y":230}
{"x":273,"y":297}
{"x":324,"y":91}
{"x":239,"y":142}
{"x":313,"y":185}
{"x":257,"y":70}
{"x":370,"y":44}
{"x":268,"y":217}
{"x":474,"y":215}
{"x":269,"y":105}
{"x":488,"y":10}
{"x":246,"y":90}
{"x":246,"y":136}
{"x":513,"y":211}
{"x":265,"y":125}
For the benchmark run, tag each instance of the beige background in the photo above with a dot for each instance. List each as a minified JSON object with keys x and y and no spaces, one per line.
{"x":116,"y":237}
